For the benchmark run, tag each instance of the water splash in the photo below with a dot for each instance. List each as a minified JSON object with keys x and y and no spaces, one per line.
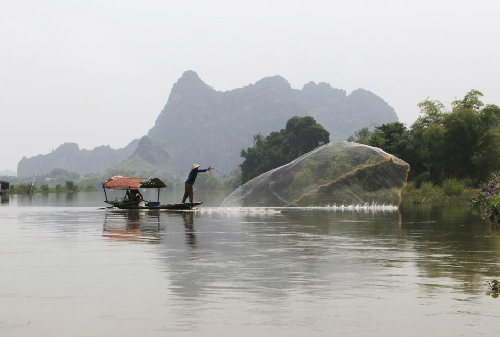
{"x":372,"y":208}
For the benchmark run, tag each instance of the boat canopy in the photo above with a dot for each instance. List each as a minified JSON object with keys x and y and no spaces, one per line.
{"x":132,"y":183}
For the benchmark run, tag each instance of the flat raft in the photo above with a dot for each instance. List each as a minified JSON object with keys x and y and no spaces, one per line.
{"x":131,"y":184}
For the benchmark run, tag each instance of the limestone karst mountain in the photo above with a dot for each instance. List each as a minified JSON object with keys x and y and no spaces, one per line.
{"x":150,"y":159}
{"x":200,"y":124}
{"x":70,"y":157}
{"x":338,"y":173}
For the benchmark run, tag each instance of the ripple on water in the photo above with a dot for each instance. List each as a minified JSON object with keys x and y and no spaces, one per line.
{"x":322,"y":269}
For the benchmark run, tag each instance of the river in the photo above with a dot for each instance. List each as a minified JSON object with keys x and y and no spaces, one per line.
{"x":69,"y":268}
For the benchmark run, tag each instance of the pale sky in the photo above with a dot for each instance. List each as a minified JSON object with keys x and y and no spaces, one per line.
{"x":99,"y":72}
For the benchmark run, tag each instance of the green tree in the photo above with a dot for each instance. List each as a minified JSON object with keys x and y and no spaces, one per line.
{"x":301,"y":135}
{"x":90,"y":187}
{"x":393,"y":138}
{"x":70,"y":186}
{"x":362,"y":136}
{"x":432,"y":112}
{"x":470,"y":101}
{"x":462,"y":143}
{"x":486,"y":159}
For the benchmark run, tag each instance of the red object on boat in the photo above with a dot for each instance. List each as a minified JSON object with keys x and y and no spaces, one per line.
{"x":133,"y":183}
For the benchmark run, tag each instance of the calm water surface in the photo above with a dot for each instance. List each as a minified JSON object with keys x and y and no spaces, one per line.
{"x":68,"y":268}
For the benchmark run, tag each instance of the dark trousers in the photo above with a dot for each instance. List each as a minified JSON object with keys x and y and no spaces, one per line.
{"x":188,"y":192}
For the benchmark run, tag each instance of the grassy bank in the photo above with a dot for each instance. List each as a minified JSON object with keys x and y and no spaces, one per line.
{"x":68,"y":186}
{"x":450,"y":191}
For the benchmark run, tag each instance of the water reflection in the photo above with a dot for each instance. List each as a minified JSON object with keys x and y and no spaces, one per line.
{"x":314,"y":251}
{"x":273,"y":257}
{"x":133,"y":225}
{"x":4,"y":198}
{"x":453,"y":243}
{"x":69,"y":197}
{"x":255,"y":268}
{"x":188,"y":219}
{"x":144,"y":225}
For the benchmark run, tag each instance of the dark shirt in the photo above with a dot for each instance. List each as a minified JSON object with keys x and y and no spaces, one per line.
{"x":193,"y":174}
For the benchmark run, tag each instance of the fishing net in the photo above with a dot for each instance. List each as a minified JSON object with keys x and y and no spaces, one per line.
{"x":338,"y":173}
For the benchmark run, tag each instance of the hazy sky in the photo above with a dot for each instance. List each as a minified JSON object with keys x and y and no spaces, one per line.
{"x":99,"y":72}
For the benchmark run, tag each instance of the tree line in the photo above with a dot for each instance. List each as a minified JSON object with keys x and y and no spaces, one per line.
{"x":68,"y":187}
{"x":461,"y":143}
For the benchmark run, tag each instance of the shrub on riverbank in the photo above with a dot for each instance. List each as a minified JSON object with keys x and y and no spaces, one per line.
{"x":489,"y":200}
{"x":428,"y":188}
{"x":450,"y":191}
{"x":453,"y":187}
{"x":23,"y":188}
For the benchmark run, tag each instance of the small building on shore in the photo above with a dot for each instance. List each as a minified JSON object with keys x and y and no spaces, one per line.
{"x":4,"y":187}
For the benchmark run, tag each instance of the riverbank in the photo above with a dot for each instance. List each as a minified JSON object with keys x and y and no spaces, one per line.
{"x":420,"y":197}
{"x":450,"y":192}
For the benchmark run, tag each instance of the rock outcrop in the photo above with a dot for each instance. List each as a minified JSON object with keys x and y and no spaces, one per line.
{"x":200,"y":124}
{"x":150,"y":159}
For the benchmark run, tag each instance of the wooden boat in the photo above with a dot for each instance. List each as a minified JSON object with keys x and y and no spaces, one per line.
{"x":152,"y":205}
{"x":133,"y":198}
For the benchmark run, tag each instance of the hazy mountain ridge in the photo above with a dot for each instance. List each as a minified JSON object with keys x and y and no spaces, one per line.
{"x":200,"y":124}
{"x":70,"y":157}
{"x":150,"y":159}
{"x":8,"y":173}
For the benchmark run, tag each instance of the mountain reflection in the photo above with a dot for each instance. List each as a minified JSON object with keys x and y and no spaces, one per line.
{"x":315,"y":252}
{"x":188,"y":219}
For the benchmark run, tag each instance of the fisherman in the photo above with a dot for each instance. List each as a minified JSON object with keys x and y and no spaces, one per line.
{"x":136,"y":197}
{"x":188,"y":186}
{"x":127,"y":197}
{"x":133,"y":197}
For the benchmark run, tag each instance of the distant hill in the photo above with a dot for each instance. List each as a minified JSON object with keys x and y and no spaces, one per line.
{"x":8,"y":173}
{"x":209,"y":127}
{"x":70,"y":157}
{"x":150,"y":159}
